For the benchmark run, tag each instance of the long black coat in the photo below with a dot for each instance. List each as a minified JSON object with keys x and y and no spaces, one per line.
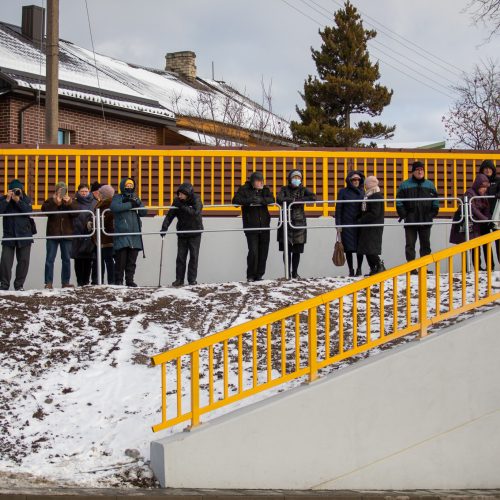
{"x":188,"y":212}
{"x":348,"y":213}
{"x":370,"y":238}
{"x":254,"y":205}
{"x":16,"y":226}
{"x":82,"y":248}
{"x":298,"y":216}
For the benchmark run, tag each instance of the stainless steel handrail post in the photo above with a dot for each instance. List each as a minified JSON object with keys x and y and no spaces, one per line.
{"x":285,"y":241}
{"x":97,"y":219}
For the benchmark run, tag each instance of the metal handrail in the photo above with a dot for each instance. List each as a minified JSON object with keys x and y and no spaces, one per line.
{"x":61,"y":212}
{"x":381,"y":200}
{"x":348,"y":344}
{"x":482,"y":221}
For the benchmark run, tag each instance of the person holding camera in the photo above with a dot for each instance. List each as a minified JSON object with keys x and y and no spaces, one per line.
{"x":15,"y":201}
{"x":127,"y":220}
{"x":59,"y":225}
{"x":187,"y":207}
{"x":254,"y":198}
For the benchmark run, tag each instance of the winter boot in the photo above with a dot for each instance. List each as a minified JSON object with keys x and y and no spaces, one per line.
{"x":178,"y":283}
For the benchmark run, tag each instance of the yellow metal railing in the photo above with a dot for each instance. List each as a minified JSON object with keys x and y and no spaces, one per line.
{"x":269,"y":351}
{"x":217,"y":173}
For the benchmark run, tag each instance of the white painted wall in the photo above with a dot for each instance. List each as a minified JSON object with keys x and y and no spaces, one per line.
{"x":223,"y":255}
{"x":425,"y":415}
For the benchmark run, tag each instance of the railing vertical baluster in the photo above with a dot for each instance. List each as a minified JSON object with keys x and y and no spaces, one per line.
{"x":368,"y":312}
{"x":254,"y":358}
{"x":422,"y":301}
{"x":394,"y":304}
{"x":195,"y":388}
{"x":210,"y":374}
{"x":341,"y":325}
{"x":488,"y":270}
{"x":161,"y":183}
{"x":268,"y":357}
{"x":222,"y":181}
{"x":226,"y":369}
{"x":178,"y":371}
{"x":408,"y":299}
{"x":325,"y":185}
{"x":450,"y":283}
{"x":476,"y":273}
{"x":438,"y":288}
{"x":327,"y":330}
{"x":202,"y":178}
{"x":212,"y":178}
{"x":464,"y":278}
{"x":313,"y":343}
{"x":297,"y":341}
{"x":163,"y":392}
{"x":283,"y":347}
{"x":172,"y":168}
{"x":382,"y":309}
{"x":240,"y":363}
{"x":244,"y":171}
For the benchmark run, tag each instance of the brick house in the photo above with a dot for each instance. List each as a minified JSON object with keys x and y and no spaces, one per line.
{"x":112,"y":102}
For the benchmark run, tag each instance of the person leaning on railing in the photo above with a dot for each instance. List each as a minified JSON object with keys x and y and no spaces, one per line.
{"x":346,"y":214}
{"x":488,"y":168}
{"x":15,"y":201}
{"x":414,"y":211}
{"x":254,"y":198}
{"x":370,"y":238}
{"x":480,"y":211}
{"x":187,"y":207}
{"x":297,"y":238}
{"x":58,"y":225}
{"x":127,"y":220}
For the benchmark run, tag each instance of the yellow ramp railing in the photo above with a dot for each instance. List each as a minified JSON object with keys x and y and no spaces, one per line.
{"x":301,"y":339}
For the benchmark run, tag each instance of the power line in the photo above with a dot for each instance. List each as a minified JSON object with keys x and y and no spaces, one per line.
{"x":377,"y":42}
{"x":303,"y":13}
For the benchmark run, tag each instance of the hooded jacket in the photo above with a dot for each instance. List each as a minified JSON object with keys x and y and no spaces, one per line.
{"x":82,"y":248}
{"x":126,"y":219}
{"x":16,"y":226}
{"x":254,"y":204}
{"x":188,"y":212}
{"x":347,"y":213}
{"x":289,"y":194}
{"x":417,"y":211}
{"x":494,"y":189}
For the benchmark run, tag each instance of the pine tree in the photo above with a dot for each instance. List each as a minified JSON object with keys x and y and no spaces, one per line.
{"x":346,"y":86}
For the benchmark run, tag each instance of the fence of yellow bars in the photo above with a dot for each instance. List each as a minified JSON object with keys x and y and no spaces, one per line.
{"x":300,"y":340}
{"x":217,"y":173}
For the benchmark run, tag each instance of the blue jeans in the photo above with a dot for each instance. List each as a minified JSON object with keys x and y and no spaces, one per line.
{"x":51,"y":257}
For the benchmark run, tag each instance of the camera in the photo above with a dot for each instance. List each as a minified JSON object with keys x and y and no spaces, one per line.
{"x":17,"y":192}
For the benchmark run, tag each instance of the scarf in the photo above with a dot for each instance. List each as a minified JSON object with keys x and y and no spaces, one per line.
{"x":368,"y":193}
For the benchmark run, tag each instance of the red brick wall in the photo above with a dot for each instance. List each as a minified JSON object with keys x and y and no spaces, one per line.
{"x":89,"y":128}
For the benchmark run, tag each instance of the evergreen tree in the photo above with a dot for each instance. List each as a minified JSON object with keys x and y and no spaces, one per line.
{"x":346,"y":86}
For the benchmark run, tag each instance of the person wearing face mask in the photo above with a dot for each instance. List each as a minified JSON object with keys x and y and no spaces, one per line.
{"x":254,"y":197}
{"x":82,"y":249}
{"x":127,"y":220}
{"x":297,"y":238}
{"x":412,"y":210}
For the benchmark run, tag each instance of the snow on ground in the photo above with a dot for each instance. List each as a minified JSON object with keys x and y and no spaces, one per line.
{"x":78,"y":394}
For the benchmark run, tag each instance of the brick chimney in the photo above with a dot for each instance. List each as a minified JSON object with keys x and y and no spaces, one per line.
{"x":182,"y":63}
{"x":33,"y":22}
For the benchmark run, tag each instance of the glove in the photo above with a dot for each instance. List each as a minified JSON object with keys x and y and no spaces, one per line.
{"x":163,"y":233}
{"x":136,"y":202}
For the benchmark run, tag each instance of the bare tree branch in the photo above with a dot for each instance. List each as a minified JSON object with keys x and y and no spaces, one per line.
{"x":486,"y":12}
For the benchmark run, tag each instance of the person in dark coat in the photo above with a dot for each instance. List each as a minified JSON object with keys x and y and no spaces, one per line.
{"x":15,"y":201}
{"x":417,"y":186}
{"x":370,"y":238}
{"x":94,"y":189}
{"x":127,"y":220}
{"x":297,"y":238}
{"x":254,"y":197}
{"x":58,"y":225}
{"x":106,"y":193}
{"x":187,"y":207}
{"x":488,"y":168}
{"x":82,"y":249}
{"x":347,"y":214}
{"x":480,"y":211}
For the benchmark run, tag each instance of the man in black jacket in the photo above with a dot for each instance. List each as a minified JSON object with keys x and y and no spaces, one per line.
{"x":19,"y":226}
{"x":254,"y":197}
{"x":187,"y":207}
{"x":488,"y":168}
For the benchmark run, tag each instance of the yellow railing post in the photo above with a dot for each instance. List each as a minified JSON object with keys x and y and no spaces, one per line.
{"x":325,"y":185}
{"x":243,"y":169}
{"x":422,"y":301}
{"x":313,"y":343}
{"x":195,"y":389}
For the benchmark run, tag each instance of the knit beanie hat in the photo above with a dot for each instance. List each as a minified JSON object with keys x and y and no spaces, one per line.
{"x":256,"y":176}
{"x":371,"y":181}
{"x":106,"y":191}
{"x":15,"y":184}
{"x":417,"y":164}
{"x":61,"y":185}
{"x":295,"y":173}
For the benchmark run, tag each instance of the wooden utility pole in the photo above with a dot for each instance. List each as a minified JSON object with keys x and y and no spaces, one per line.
{"x":52,"y":73}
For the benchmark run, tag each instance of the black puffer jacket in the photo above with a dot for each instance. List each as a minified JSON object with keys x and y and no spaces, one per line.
{"x":290,"y":194}
{"x":370,"y":238}
{"x":254,"y":205}
{"x":494,"y":189}
{"x":16,"y":226}
{"x":188,"y":212}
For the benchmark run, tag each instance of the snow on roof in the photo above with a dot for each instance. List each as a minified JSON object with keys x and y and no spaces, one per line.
{"x":163,"y":92}
{"x":209,"y":140}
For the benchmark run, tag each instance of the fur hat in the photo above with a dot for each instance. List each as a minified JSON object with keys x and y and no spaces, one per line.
{"x":106,"y":191}
{"x":15,"y":184}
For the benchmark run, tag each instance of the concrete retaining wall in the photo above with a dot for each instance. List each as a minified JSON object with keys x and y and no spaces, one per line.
{"x":424,"y":415}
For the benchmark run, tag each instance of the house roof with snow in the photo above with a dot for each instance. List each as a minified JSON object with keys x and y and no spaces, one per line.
{"x":158,"y":95}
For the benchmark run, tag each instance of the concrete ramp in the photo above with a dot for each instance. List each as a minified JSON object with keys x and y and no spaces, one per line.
{"x":425,"y":415}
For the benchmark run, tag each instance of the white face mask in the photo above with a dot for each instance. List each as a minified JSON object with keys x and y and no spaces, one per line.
{"x":295,"y":182}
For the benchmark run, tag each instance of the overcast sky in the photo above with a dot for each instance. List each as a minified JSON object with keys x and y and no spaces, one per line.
{"x":251,"y":39}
